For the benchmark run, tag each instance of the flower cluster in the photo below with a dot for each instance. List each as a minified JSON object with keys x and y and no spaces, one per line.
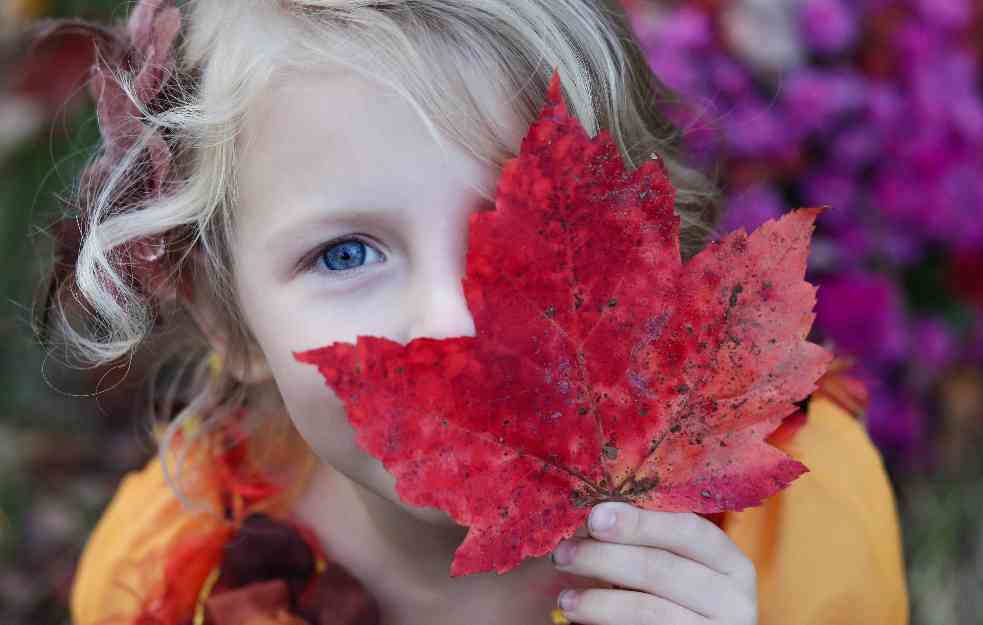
{"x":873,"y":109}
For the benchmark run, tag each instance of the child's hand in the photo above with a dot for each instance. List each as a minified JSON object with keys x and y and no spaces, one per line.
{"x":675,"y":568}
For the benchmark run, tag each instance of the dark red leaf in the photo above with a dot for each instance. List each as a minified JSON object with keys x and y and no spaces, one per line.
{"x":603,"y":368}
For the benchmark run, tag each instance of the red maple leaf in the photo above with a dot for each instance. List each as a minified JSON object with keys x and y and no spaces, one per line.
{"x":603,"y":369}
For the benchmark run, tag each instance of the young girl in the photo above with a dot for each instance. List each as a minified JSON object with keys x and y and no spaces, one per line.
{"x":281,"y":175}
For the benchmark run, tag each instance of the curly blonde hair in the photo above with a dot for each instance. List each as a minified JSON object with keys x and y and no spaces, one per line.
{"x":229,"y":49}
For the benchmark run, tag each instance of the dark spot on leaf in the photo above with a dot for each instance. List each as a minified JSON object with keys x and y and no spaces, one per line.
{"x":643,"y":411}
{"x":676,"y":428}
{"x":579,"y":499}
{"x":400,"y":370}
{"x":443,"y":423}
{"x":582,"y":410}
{"x":550,"y":311}
{"x":642,"y":486}
{"x":612,"y":302}
{"x":682,"y":388}
{"x":578,"y":301}
{"x":610,"y":452}
{"x":705,"y":494}
{"x":737,"y":290}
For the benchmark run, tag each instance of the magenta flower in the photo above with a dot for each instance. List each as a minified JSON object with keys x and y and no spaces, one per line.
{"x":754,"y":128}
{"x":835,"y":189}
{"x":814,"y":100}
{"x":974,"y":349}
{"x":752,"y":207}
{"x":896,"y":422}
{"x":948,"y":14}
{"x":881,"y":121}
{"x":863,"y":315}
{"x":827,"y":26}
{"x":933,"y":346}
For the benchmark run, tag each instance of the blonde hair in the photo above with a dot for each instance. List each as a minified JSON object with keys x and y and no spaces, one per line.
{"x":422,"y":49}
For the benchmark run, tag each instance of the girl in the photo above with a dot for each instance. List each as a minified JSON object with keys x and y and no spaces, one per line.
{"x":280,"y":175}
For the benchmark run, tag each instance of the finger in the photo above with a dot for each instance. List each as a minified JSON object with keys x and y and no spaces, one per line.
{"x":684,"y":533}
{"x":656,"y":571}
{"x":598,"y":606}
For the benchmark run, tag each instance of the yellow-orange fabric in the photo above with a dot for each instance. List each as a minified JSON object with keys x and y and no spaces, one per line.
{"x":123,"y":561}
{"x":827,"y":548}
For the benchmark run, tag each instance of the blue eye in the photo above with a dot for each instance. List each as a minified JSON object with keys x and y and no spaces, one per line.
{"x":348,"y":254}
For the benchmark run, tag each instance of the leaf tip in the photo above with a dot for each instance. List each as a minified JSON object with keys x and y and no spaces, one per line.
{"x":555,"y":94}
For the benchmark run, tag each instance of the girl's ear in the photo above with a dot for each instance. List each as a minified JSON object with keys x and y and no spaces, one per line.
{"x":243,"y":360}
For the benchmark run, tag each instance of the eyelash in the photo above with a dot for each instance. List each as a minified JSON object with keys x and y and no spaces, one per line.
{"x":313,"y":262}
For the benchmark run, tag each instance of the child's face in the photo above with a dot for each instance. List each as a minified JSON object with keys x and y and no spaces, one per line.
{"x":334,"y":157}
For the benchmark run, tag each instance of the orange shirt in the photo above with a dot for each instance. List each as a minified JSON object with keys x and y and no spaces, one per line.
{"x":827,"y":549}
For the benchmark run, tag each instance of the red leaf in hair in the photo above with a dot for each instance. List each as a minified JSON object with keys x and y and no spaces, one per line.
{"x":153,"y":27}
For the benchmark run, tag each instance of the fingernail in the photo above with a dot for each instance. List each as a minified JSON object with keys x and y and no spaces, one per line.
{"x":568,"y":600}
{"x":563,"y":554}
{"x":601,"y":518}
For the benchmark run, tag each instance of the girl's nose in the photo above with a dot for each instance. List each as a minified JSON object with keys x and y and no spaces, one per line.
{"x":439,"y":310}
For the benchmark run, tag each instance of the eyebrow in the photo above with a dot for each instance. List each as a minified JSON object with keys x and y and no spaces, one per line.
{"x":350,"y":214}
{"x":334,"y":217}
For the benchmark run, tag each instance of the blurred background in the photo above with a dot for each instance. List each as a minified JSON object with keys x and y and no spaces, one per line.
{"x":873,"y":108}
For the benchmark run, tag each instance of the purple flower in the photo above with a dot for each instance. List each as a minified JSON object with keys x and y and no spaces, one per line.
{"x":686,"y":28}
{"x":967,"y":118}
{"x":752,"y":207}
{"x":974,"y":350}
{"x":728,"y":77}
{"x":898,"y":246}
{"x":933,"y":346}
{"x":950,"y":14}
{"x":899,"y":193}
{"x":896,"y":422}
{"x":754,"y":128}
{"x":827,"y":26}
{"x":835,"y":189}
{"x":853,"y":243}
{"x":885,"y":106}
{"x":856,"y":147}
{"x":917,"y":43}
{"x":813,"y":100}
{"x":960,"y":203}
{"x":677,"y":71}
{"x":863,"y":315}
{"x":942,"y":78}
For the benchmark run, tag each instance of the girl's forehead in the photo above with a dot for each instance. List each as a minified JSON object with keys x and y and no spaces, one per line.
{"x":335,"y":141}
{"x":336,"y":124}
